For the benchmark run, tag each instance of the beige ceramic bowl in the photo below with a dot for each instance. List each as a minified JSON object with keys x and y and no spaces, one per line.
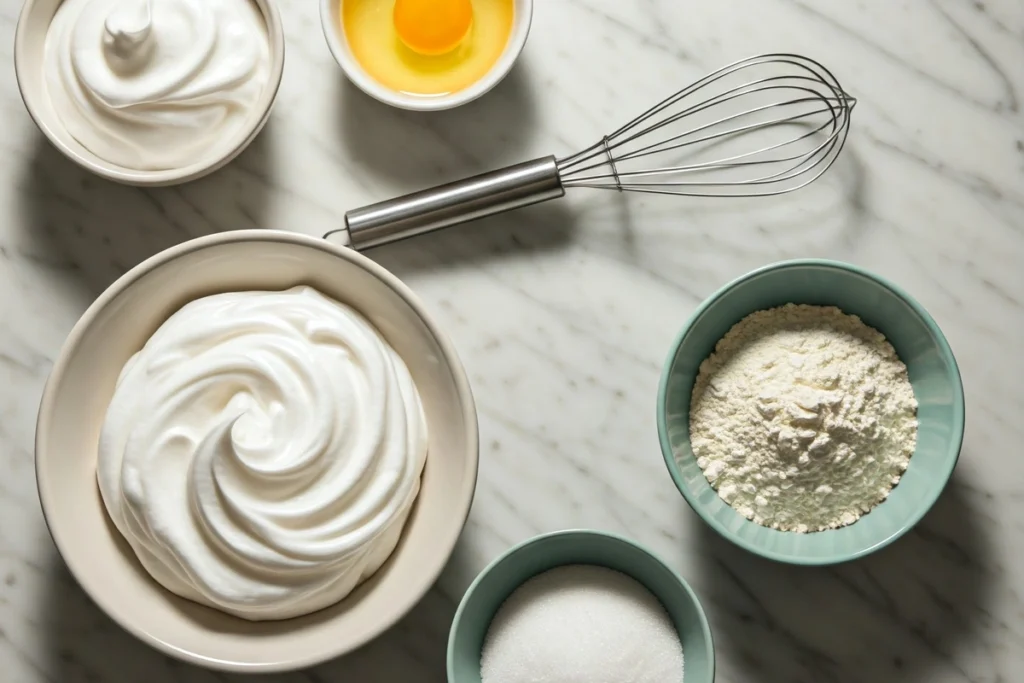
{"x":29,"y":45}
{"x":330,"y":18}
{"x":82,"y":383}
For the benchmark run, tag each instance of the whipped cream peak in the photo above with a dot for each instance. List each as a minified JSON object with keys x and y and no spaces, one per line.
{"x":128,"y":28}
{"x":155,"y":84}
{"x":262,"y":452}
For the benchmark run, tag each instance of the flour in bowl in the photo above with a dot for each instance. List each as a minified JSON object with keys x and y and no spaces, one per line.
{"x":803,"y":418}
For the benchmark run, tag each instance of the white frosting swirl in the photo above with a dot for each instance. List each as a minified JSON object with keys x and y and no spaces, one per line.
{"x":156,"y":84}
{"x":262,"y":452}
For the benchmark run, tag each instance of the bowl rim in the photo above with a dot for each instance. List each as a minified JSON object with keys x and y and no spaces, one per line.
{"x":46,"y":407}
{"x":669,"y":456}
{"x":271,"y":16}
{"x":337,"y":44}
{"x":604,"y":537}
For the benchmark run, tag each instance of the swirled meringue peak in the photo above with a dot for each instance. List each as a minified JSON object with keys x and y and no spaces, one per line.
{"x":262,"y":452}
{"x":156,"y":84}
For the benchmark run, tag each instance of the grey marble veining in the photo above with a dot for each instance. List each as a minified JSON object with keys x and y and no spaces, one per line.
{"x":563,"y":314}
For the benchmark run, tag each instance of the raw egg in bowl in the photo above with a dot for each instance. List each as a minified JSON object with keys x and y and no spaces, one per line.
{"x":426,"y":54}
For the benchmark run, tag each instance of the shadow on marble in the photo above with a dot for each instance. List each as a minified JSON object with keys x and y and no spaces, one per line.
{"x":83,"y":644}
{"x":521,"y":234}
{"x":853,"y":176}
{"x":414,"y":150}
{"x":683,"y":240}
{"x":900,"y":614}
{"x":102,"y":229}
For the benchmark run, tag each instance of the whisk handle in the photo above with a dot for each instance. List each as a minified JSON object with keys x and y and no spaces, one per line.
{"x":464,"y":200}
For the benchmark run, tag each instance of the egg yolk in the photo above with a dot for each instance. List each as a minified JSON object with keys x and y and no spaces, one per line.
{"x":432,"y":27}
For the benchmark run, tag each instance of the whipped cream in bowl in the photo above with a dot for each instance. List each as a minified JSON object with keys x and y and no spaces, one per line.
{"x":256,"y":451}
{"x":150,"y":92}
{"x":262,"y":451}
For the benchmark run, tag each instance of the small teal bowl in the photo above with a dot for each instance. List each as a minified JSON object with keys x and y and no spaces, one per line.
{"x":918,"y":342}
{"x":541,"y":553}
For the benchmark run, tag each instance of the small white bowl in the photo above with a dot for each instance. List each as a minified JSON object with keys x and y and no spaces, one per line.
{"x":29,"y":47}
{"x":82,"y":381}
{"x":337,"y":41}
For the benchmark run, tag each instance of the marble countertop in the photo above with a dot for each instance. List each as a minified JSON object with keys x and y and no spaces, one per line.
{"x":544,"y":306}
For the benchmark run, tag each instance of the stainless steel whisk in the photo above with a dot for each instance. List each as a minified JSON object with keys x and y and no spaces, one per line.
{"x":762,"y":126}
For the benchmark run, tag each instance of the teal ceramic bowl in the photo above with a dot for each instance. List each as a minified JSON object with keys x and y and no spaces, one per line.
{"x":919,"y":344}
{"x":541,"y":553}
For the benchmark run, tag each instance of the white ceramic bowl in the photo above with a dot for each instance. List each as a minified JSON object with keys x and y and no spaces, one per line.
{"x":330,"y":17}
{"x":29,"y":45}
{"x":82,"y":382}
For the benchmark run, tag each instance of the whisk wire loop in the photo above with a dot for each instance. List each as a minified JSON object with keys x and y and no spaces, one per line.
{"x":781,"y":120}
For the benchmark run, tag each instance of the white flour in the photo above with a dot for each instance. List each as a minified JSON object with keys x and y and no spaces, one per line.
{"x":803,"y":418}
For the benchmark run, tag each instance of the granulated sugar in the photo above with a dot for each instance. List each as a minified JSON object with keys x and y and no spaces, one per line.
{"x":585,"y":624}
